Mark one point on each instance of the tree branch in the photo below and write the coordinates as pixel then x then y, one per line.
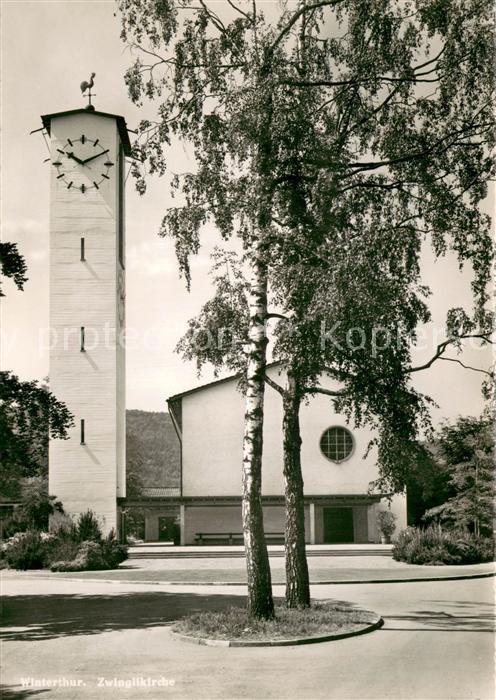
pixel 321 390
pixel 339 374
pixel 296 16
pixel 415 155
pixel 238 9
pixel 474 369
pixel 275 315
pixel 442 347
pixel 216 21
pixel 355 82
pixel 274 385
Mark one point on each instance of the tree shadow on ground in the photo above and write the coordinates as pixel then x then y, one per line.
pixel 39 617
pixel 17 692
pixel 457 616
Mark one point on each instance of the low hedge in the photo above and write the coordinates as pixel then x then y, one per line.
pixel 27 550
pixel 62 551
pixel 89 557
pixel 434 546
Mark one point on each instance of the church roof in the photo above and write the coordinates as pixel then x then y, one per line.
pixel 160 491
pixel 175 402
pixel 215 382
pixel 121 123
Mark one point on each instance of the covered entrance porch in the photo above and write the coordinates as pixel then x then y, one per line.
pixel 347 519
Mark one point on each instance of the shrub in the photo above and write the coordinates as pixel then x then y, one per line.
pixel 436 546
pixel 28 550
pixel 62 549
pixel 113 553
pixel 35 509
pixel 386 522
pixel 88 527
pixel 89 558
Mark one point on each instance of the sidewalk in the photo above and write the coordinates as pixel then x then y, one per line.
pixel 161 550
pixel 349 569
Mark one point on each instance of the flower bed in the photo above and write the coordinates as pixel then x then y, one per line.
pixel 321 620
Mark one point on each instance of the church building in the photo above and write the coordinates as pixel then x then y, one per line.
pixel 87 371
pixel 209 422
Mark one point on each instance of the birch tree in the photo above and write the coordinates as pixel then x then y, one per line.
pixel 309 129
pixel 216 80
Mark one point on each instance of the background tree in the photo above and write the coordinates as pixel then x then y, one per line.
pixel 336 128
pixel 34 510
pixel 427 486
pixel 12 265
pixel 465 451
pixel 29 415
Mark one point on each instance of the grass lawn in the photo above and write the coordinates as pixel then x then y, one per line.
pixel 233 624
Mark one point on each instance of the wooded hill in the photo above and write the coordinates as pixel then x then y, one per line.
pixel 151 435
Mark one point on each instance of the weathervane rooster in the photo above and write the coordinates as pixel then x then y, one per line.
pixel 87 85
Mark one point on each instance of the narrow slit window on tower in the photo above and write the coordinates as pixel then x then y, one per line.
pixel 82 250
pixel 82 339
pixel 82 431
pixel 120 223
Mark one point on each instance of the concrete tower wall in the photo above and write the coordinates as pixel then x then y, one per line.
pixel 87 293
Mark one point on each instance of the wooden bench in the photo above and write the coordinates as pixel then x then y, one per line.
pixel 275 537
pixel 233 537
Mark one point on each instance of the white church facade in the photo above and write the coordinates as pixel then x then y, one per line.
pixel 336 470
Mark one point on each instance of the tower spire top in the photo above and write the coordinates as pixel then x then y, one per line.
pixel 87 85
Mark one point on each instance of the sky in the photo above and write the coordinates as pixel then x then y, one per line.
pixel 48 48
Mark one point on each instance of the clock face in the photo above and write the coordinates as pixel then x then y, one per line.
pixel 83 163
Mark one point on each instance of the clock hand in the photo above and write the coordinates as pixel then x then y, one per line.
pixel 87 160
pixel 78 160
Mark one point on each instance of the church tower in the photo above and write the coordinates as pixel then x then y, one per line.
pixel 87 306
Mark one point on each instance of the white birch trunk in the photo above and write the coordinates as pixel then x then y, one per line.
pixel 260 602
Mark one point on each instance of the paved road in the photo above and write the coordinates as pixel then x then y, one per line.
pixel 221 569
pixel 437 643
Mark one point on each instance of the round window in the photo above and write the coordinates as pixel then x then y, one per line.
pixel 336 444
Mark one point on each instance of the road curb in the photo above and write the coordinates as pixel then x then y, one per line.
pixel 318 583
pixel 204 641
pixel 330 582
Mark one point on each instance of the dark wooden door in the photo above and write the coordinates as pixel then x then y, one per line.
pixel 338 525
